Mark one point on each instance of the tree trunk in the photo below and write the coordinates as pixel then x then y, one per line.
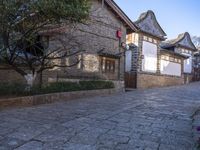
pixel 30 78
pixel 40 80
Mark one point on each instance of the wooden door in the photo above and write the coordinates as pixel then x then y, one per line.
pixel 130 80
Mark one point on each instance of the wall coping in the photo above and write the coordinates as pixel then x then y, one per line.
pixel 54 97
pixel 159 74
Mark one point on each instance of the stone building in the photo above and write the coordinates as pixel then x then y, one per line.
pixel 184 46
pixel 101 38
pixel 147 63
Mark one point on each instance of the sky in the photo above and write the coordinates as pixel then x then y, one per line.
pixel 174 16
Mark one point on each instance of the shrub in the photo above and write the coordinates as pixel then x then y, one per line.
pixel 19 89
pixel 60 87
pixel 15 89
pixel 89 85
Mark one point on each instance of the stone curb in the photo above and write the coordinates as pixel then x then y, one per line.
pixel 53 97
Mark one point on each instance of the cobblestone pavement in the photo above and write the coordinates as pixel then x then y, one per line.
pixel 155 119
pixel 196 127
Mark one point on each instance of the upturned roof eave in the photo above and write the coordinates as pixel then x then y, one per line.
pixel 144 17
pixel 175 42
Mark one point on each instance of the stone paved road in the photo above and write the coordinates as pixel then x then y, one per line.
pixel 155 119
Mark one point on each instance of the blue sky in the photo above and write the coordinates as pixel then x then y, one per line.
pixel 174 16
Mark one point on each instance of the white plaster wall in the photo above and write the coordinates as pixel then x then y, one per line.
pixel 149 51
pixel 188 65
pixel 170 68
pixel 128 60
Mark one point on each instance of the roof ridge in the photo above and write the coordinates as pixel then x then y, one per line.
pixel 143 16
pixel 180 37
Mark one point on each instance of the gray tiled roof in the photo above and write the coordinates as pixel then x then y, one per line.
pixel 183 40
pixel 148 23
pixel 106 53
pixel 173 53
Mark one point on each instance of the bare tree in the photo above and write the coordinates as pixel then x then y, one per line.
pixel 196 41
pixel 26 26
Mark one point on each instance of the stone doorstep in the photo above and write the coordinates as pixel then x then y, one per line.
pixel 53 97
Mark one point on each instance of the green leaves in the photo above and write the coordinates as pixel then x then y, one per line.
pixel 23 15
pixel 23 20
pixel 72 10
pixel 17 89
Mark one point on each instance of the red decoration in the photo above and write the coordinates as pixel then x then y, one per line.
pixel 119 33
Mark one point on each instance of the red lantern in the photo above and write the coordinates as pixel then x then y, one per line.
pixel 119 33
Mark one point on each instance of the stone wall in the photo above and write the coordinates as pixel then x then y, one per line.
pixel 99 33
pixel 10 76
pixel 145 80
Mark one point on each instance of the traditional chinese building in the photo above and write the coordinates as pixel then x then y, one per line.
pixel 147 64
pixel 101 38
pixel 183 45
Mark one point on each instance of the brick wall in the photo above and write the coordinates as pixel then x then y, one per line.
pixel 152 80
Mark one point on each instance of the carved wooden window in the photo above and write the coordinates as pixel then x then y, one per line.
pixel 155 41
pixel 150 40
pixel 108 65
pixel 165 57
pixel 171 59
pixel 145 38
